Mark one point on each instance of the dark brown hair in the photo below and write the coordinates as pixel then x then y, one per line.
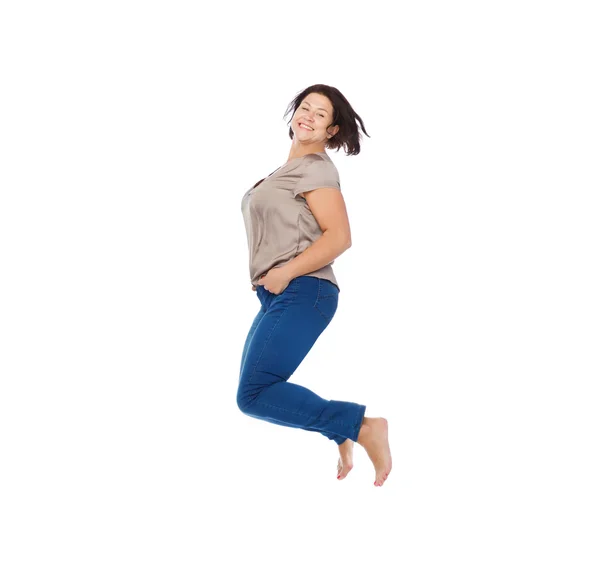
pixel 344 116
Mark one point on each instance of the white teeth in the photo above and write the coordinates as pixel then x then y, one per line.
pixel 305 126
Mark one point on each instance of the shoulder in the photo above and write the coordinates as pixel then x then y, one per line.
pixel 319 166
pixel 317 171
pixel 318 161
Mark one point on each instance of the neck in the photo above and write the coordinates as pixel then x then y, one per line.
pixel 299 150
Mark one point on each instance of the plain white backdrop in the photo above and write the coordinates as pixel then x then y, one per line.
pixel 468 314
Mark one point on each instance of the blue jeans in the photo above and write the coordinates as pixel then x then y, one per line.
pixel 282 333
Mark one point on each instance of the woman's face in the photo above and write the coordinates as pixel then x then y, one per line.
pixel 315 112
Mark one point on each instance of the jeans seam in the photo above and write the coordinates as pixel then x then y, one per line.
pixel 304 415
pixel 264 347
pixel 334 294
pixel 326 319
pixel 318 296
pixel 315 306
pixel 244 356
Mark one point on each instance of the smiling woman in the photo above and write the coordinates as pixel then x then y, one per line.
pixel 296 224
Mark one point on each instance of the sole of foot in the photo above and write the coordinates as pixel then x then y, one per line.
pixel 373 436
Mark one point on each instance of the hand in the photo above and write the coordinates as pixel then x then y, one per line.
pixel 253 288
pixel 276 280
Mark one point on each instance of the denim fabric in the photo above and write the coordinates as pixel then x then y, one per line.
pixel 284 330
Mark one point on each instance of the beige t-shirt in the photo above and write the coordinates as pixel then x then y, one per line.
pixel 279 223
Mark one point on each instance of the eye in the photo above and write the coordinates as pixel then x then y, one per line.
pixel 306 109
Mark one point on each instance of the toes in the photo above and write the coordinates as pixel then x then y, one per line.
pixel 379 481
pixel 343 471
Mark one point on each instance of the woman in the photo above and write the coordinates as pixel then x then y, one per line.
pixel 296 224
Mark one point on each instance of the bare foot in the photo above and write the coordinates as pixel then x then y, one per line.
pixel 345 461
pixel 373 436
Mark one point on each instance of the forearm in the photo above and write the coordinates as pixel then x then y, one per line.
pixel 321 253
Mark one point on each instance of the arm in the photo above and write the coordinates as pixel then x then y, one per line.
pixel 319 254
pixel 329 209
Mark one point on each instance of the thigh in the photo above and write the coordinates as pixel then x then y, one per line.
pixel 290 326
pixel 253 327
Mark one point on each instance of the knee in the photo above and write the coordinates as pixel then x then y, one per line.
pixel 243 401
pixel 247 396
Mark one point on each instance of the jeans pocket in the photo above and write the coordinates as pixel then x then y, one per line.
pixel 261 293
pixel 327 306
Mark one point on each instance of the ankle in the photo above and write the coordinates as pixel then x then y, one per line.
pixel 363 433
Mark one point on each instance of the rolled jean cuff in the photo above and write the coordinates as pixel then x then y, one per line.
pixel 360 414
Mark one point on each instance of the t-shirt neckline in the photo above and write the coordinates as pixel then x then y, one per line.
pixel 307 154
pixel 285 164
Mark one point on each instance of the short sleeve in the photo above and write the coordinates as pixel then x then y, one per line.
pixel 318 174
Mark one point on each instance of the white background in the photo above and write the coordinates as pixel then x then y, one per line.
pixel 468 313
